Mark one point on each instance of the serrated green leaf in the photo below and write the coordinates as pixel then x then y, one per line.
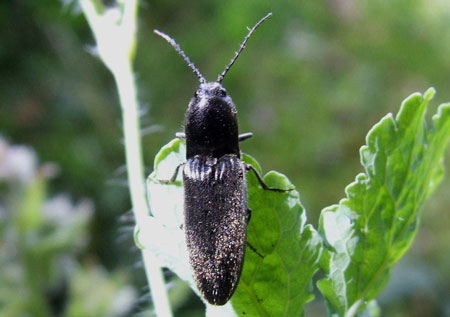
pixel 276 285
pixel 370 230
pixel 280 283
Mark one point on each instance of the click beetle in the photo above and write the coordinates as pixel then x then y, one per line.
pixel 215 191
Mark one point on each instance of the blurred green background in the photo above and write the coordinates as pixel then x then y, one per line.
pixel 310 84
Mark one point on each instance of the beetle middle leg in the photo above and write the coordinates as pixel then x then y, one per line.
pixel 249 167
pixel 174 176
pixel 248 215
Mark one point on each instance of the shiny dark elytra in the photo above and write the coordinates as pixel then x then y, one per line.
pixel 215 190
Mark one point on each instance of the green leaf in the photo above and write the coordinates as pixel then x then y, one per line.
pixel 162 233
pixel 278 284
pixel 370 230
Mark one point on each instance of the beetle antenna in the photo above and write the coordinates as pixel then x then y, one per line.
pixel 241 48
pixel 182 54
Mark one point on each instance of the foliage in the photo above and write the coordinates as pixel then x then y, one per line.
pixel 310 83
pixel 366 234
pixel 279 283
pixel 370 230
pixel 40 239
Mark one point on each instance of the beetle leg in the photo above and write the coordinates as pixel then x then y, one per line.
pixel 249 215
pixel 249 167
pixel 174 176
pixel 180 135
pixel 254 250
pixel 245 136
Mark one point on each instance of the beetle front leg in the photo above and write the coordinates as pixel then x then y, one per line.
pixel 245 136
pixel 174 176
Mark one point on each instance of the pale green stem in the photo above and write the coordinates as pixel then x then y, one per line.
pixel 131 127
pixel 114 29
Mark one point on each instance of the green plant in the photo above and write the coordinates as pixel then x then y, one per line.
pixel 41 239
pixel 360 239
pixel 370 230
pixel 364 235
pixel 114 29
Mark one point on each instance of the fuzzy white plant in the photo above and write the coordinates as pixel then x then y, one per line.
pixel 114 30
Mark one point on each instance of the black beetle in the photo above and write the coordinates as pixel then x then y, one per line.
pixel 215 191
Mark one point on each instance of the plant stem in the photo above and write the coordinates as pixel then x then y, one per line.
pixel 114 29
pixel 133 152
